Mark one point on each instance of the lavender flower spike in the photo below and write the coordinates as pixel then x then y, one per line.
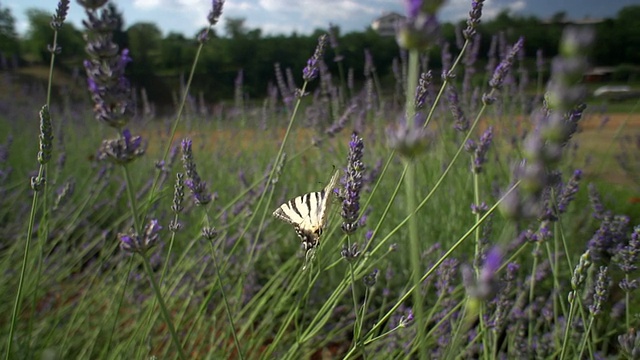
pixel 353 185
pixel 216 12
pixel 46 136
pixel 61 14
pixel 194 182
pixel 601 291
pixel 505 65
pixel 474 19
pixel 133 242
pixel 569 191
pixel 122 150
pixel 310 72
pixel 109 88
pixel 480 154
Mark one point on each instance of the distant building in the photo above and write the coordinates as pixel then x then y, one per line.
pixel 386 24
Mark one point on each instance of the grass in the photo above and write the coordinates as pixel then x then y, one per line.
pixel 428 278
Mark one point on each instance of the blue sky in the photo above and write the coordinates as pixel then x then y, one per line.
pixel 303 16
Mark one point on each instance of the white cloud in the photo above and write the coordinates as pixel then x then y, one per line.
pixel 146 4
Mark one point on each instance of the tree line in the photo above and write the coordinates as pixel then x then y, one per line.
pixel 160 61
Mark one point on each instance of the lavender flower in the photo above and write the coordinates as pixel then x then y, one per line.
pixel 569 191
pixel 109 88
pixel 606 241
pixel 486 283
pixel 338 125
pixel 460 122
pixel 599 211
pixel 505 65
pixel 627 256
pixel 178 194
pixel 369 66
pixel 122 150
pixel 600 292
pixel 350 253
pixel 479 209
pixel 352 185
pixel 198 187
pixel 209 233
pixel 630 344
pixel 579 273
pixel 370 279
pixel 92 5
pixel 474 19
pixel 216 12
pixel 421 29
pixel 479 149
pixel 310 72
pixel 423 89
pixel 133 242
pixel 60 15
pixel 409 141
pixel 46 136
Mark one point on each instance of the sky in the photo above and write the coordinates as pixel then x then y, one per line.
pixel 304 16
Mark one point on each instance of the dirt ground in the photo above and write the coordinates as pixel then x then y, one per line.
pixel 610 148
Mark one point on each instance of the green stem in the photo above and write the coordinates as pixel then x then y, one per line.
pixel 568 326
pixel 163 307
pixel 532 286
pixel 412 84
pixel 586 337
pixel 23 271
pixel 356 332
pixel 415 251
pixel 132 200
pixel 120 302
pixel 226 303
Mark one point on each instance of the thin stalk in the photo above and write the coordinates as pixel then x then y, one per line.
pixel 163 306
pixel 154 185
pixel 476 262
pixel 120 302
pixel 226 303
pixel 415 252
pixel 586 336
pixel 568 326
pixel 356 330
pixel 23 271
pixel 532 286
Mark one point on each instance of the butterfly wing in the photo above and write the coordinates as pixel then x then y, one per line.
pixel 308 213
pixel 326 203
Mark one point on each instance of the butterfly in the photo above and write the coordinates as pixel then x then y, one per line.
pixel 308 214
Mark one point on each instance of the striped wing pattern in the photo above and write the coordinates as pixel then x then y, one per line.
pixel 308 213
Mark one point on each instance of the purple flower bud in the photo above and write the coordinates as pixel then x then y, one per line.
pixel 474 18
pixel 310 72
pixel 133 242
pixel 216 12
pixel 352 185
pixel 505 65
pixel 198 187
pixel 122 150
pixel 60 15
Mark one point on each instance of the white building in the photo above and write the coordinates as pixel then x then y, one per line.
pixel 386 24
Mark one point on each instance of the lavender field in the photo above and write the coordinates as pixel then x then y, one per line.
pixel 480 212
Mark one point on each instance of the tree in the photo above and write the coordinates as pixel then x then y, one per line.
pixel 9 44
pixel 40 35
pixel 144 43
pixel 235 27
pixel 629 30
